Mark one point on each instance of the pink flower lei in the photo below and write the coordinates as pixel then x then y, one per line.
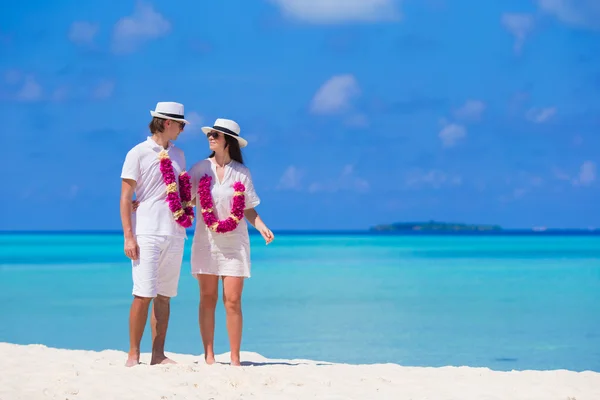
pixel 206 202
pixel 179 204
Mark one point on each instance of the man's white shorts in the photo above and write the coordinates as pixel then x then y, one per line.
pixel 157 269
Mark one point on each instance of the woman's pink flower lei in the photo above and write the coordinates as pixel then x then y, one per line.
pixel 206 202
pixel 179 204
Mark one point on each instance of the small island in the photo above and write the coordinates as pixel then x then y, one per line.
pixel 433 226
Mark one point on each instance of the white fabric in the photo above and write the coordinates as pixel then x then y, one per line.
pixel 153 216
pixel 157 269
pixel 223 254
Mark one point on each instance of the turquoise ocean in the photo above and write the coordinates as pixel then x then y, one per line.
pixel 499 301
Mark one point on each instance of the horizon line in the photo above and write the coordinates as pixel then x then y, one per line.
pixel 369 231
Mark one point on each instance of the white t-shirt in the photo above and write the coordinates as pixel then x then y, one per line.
pixel 142 165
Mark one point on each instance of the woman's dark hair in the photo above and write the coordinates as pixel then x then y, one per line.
pixel 235 152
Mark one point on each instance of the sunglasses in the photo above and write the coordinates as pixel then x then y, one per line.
pixel 213 134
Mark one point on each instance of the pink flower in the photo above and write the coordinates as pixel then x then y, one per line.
pixel 206 202
pixel 239 187
pixel 184 221
pixel 173 199
pixel 185 187
pixel 167 171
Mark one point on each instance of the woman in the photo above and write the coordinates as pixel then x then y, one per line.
pixel 224 195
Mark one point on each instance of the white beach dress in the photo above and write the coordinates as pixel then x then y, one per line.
pixel 223 254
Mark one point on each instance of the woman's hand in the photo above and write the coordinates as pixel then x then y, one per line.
pixel 260 226
pixel 266 233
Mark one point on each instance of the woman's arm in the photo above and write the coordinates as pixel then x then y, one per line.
pixel 255 220
pixel 252 217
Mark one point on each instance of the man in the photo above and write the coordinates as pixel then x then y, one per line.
pixel 154 239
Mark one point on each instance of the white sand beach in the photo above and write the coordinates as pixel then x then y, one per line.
pixel 38 372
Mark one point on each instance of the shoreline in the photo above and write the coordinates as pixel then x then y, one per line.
pixel 37 371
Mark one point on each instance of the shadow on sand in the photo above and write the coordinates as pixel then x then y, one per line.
pixel 264 364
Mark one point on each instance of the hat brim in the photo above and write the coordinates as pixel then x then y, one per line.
pixel 159 115
pixel 243 142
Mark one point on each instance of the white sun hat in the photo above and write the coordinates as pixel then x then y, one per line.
pixel 228 127
pixel 169 110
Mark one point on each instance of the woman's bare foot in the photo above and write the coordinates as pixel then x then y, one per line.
pixel 131 362
pixel 133 359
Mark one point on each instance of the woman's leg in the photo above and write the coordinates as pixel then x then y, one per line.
pixel 232 298
pixel 209 294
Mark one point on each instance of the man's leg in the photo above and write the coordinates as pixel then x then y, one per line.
pixel 161 310
pixel 145 276
pixel 138 315
pixel 168 281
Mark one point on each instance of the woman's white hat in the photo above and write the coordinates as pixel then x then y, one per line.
pixel 228 127
pixel 169 110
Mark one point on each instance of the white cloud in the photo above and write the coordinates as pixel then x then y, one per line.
pixel 13 76
pixel 194 128
pixel 143 25
pixel 580 13
pixel 519 25
pixel 347 181
pixel 290 180
pixel 471 110
pixel 335 95
pixel 519 192
pixel 434 178
pixel 357 121
pixel 195 121
pixel 104 90
pixel 524 183
pixel 83 33
pixel 30 91
pixel 60 93
pixel 540 115
pixel 340 11
pixel 587 174
pixel 452 133
pixel 561 175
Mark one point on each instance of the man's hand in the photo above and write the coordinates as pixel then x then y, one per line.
pixel 132 250
pixel 126 208
pixel 134 205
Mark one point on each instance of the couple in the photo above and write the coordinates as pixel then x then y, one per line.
pixel 221 189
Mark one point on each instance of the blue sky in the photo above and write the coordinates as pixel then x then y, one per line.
pixel 357 112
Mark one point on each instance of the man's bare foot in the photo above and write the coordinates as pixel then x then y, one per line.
pixel 161 360
pixel 132 361
pixel 210 359
pixel 235 363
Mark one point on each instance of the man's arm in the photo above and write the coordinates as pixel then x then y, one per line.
pixel 127 189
